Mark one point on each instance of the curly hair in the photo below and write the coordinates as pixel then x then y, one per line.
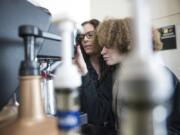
pixel 157 43
pixel 117 33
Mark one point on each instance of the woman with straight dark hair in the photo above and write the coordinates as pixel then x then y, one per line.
pixel 96 89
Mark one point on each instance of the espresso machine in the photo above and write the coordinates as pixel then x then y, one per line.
pixel 31 117
pixel 12 52
pixel 47 71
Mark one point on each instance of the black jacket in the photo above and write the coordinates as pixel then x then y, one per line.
pixel 173 121
pixel 96 98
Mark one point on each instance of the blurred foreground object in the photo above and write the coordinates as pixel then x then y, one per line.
pixel 67 80
pixel 146 86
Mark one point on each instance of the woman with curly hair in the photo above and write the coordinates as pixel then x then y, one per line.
pixel 116 38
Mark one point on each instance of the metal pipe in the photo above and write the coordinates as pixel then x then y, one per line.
pixel 66 82
pixel 145 86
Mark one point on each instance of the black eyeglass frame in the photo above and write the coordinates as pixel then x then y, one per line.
pixel 88 35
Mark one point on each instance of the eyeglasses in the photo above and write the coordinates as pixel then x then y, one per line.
pixel 88 35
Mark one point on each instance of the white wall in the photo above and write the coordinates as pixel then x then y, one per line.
pixel 70 8
pixel 110 8
pixel 121 8
pixel 164 12
pixel 167 12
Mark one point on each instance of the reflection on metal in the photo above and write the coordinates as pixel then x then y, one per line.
pixel 48 95
pixel 9 113
pixel 48 67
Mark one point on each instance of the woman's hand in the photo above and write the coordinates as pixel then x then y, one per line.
pixel 79 62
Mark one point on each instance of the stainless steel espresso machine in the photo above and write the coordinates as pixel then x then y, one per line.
pixel 14 14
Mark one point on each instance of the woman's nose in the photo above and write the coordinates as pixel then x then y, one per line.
pixel 104 50
pixel 85 38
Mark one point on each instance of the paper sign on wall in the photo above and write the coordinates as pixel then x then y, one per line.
pixel 168 37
